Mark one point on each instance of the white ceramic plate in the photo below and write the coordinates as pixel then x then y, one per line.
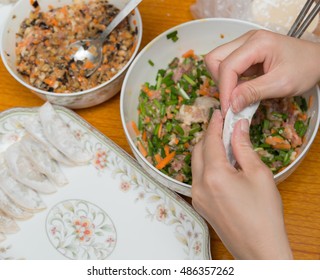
pixel 111 209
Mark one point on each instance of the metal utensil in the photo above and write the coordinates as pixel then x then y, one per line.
pixel 91 49
pixel 304 19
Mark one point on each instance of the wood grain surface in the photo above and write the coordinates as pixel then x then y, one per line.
pixel 300 192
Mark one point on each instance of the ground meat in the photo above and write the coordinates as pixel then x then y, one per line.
pixel 42 53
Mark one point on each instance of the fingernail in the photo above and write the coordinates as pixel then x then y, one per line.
pixel 244 125
pixel 237 104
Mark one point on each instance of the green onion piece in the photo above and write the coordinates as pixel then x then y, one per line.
pixel 151 62
pixel 168 126
pixel 300 128
pixel 189 80
pixel 159 81
pixel 182 92
pixel 156 129
pixel 173 36
pixel 266 124
pixel 179 129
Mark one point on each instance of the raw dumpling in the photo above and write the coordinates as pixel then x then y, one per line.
pixel 11 209
pixel 2 237
pixel 20 194
pixel 23 170
pixel 60 135
pixel 34 127
pixel 40 157
pixel 8 225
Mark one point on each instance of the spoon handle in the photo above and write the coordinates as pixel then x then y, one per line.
pixel 119 17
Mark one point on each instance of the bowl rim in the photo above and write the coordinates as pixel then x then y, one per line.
pixel 124 124
pixel 139 25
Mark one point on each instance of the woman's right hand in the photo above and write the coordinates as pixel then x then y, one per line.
pixel 284 66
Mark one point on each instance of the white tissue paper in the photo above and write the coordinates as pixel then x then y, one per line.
pixel 276 15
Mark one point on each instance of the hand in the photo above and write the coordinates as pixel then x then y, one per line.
pixel 284 66
pixel 243 206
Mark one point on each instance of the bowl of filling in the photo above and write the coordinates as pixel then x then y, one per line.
pixel 34 49
pixel 168 97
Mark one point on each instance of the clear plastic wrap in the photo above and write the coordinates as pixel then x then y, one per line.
pixel 276 15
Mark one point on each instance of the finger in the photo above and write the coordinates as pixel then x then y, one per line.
pixel 197 163
pixel 242 149
pixel 263 87
pixel 237 63
pixel 217 55
pixel 214 154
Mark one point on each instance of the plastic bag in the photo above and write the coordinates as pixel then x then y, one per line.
pixel 276 15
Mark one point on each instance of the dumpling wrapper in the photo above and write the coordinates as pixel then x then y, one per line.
pixel 33 127
pixel 230 120
pixel 2 237
pixel 8 225
pixel 59 134
pixel 23 170
pixel 20 194
pixel 40 157
pixel 11 209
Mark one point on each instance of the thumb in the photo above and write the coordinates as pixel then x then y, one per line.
pixel 246 157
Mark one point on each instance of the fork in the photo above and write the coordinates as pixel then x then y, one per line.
pixel 304 19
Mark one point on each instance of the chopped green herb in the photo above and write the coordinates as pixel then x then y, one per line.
pixel 173 36
pixel 151 62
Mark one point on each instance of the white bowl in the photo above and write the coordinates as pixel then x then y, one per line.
pixel 75 100
pixel 201 36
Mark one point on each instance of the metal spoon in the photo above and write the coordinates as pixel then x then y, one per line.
pixel 91 49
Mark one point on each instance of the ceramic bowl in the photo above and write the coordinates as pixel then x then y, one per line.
pixel 201 36
pixel 76 100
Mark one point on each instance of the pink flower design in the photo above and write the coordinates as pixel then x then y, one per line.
pixel 197 247
pixel 162 213
pixel 53 230
pixel 182 216
pixel 83 229
pixel 125 186
pixel 110 240
pixel 78 134
pixel 100 160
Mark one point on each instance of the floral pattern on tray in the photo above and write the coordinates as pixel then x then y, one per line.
pixel 85 228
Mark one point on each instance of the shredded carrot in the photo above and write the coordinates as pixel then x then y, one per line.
pixel 176 141
pixel 186 145
pixel 135 128
pixel 158 158
pixel 134 22
pixel 142 149
pixel 165 161
pixel 160 130
pixel 88 65
pixel 147 90
pixel 147 119
pixel 50 82
pixel 278 143
pixel 144 135
pixel 282 146
pixel 166 150
pixel 302 116
pixel 189 53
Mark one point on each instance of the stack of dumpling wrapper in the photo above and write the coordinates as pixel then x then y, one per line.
pixel 31 166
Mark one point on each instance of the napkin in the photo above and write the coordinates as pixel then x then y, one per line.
pixel 229 123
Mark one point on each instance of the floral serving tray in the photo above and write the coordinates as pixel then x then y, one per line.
pixel 110 209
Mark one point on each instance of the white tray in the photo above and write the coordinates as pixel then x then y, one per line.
pixel 111 208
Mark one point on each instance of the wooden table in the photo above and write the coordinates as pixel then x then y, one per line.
pixel 300 192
